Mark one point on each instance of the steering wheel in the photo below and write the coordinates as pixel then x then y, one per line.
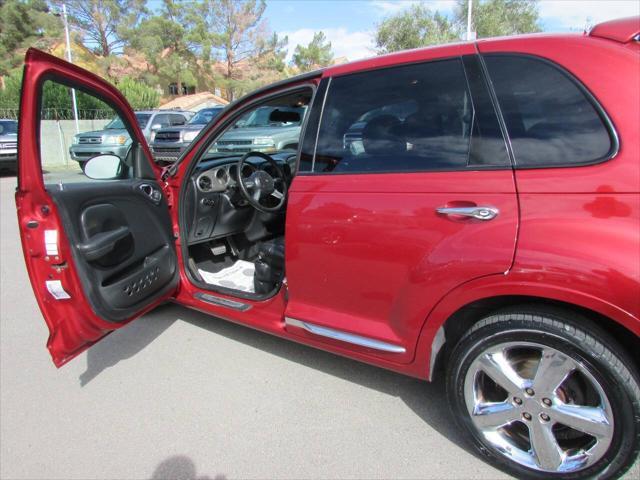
pixel 260 187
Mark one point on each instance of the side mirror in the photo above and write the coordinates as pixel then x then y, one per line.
pixel 156 126
pixel 104 167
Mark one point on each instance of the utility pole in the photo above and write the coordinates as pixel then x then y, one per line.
pixel 73 90
pixel 470 35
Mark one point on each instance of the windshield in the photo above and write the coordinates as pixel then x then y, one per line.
pixel 205 116
pixel 260 117
pixel 7 127
pixel 117 124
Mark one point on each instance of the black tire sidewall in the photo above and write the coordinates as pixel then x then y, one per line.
pixel 626 424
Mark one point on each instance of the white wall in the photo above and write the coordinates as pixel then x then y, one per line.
pixel 56 137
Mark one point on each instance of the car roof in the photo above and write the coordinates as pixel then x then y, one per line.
pixel 8 120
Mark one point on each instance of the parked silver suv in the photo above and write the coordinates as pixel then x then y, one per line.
pixel 8 143
pixel 168 143
pixel 114 138
pixel 266 129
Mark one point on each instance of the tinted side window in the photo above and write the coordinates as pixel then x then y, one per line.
pixel 405 119
pixel 550 120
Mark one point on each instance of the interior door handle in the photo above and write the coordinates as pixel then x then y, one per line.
pixel 152 192
pixel 479 213
pixel 102 243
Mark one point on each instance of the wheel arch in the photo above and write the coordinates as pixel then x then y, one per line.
pixel 460 309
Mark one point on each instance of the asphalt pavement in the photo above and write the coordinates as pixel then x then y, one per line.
pixel 182 395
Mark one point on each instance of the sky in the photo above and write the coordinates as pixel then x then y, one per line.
pixel 349 24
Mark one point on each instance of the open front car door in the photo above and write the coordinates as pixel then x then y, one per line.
pixel 94 222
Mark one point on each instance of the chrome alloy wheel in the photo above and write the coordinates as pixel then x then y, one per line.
pixel 538 407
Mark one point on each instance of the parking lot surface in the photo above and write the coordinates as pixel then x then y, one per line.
pixel 181 395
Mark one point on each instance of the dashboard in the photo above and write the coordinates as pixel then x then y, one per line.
pixel 215 207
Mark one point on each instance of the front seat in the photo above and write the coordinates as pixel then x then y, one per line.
pixel 269 266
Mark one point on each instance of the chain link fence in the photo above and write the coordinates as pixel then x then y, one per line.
pixel 61 113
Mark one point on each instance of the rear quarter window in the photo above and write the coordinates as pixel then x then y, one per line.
pixel 551 119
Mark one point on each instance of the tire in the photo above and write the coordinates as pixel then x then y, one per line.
pixel 602 382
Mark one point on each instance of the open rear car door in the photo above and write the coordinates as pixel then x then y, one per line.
pixel 99 253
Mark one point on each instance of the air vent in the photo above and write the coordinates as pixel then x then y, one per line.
pixel 204 183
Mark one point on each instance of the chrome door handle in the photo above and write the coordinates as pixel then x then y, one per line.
pixel 479 213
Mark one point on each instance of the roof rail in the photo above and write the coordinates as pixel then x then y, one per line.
pixel 623 30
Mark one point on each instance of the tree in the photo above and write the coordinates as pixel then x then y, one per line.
pixel 315 55
pixel 101 21
pixel 24 23
pixel 163 42
pixel 414 27
pixel 234 32
pixel 493 18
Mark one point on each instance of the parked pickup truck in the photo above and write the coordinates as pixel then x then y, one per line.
pixel 266 129
pixel 114 138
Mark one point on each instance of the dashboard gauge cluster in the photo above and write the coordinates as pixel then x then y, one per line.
pixel 219 179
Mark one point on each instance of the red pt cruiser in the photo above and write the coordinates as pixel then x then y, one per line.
pixel 472 209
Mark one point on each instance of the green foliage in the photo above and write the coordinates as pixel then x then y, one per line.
pixel 139 95
pixel 315 55
pixel 24 23
pixel 493 18
pixel 10 95
pixel 414 27
pixel 57 103
pixel 162 40
pixel 417 26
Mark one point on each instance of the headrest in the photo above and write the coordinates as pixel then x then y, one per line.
pixel 381 136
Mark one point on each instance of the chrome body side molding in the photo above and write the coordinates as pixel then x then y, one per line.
pixel 344 336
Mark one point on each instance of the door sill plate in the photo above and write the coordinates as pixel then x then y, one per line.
pixel 223 302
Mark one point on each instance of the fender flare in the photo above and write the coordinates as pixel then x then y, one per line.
pixel 431 337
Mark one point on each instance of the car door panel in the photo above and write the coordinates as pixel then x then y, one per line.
pixel 370 255
pixel 139 265
pixel 98 253
pixel 380 224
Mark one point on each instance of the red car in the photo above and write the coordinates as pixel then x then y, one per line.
pixel 471 209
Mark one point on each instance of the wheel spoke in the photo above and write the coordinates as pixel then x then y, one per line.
pixel 497 366
pixel 256 195
pixel 544 446
pixel 590 420
pixel 277 194
pixel 553 369
pixel 493 415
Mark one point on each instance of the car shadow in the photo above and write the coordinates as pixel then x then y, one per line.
pixel 127 342
pixel 427 400
pixel 180 467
